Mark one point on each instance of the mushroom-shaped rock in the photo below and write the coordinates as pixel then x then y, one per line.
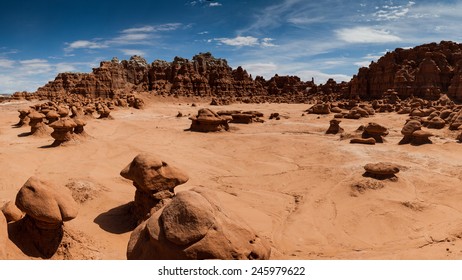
pixel 63 130
pixel 23 118
pixel 37 127
pixel 381 170
pixel 46 207
pixel 420 137
pixel 208 121
pixel 376 131
pixel 46 203
pixel 320 109
pixel 334 127
pixel 408 129
pixel 80 123
pixel 63 112
pixel 436 122
pixel 154 180
pixel 195 225
pixel 104 112
pixel 52 116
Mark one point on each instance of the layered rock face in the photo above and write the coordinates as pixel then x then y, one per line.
pixel 203 76
pixel 425 71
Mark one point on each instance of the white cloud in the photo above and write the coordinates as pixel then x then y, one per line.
pixel 248 41
pixel 65 67
pixel 6 63
pixel 320 77
pixel 84 44
pixel 131 52
pixel 239 41
pixel 261 69
pixel 215 4
pixel 366 35
pixel 138 29
pixel 153 28
pixel 266 42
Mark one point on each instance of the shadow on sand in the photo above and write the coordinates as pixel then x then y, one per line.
pixel 117 220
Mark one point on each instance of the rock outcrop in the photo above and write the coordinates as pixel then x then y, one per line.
pixel 424 71
pixel 376 131
pixel 334 127
pixel 154 180
pixel 381 170
pixel 207 120
pixel 203 76
pixel 195 225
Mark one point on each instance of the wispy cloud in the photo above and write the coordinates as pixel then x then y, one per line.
pixel 247 41
pixel 131 52
pixel 84 44
pixel 143 35
pixel 392 12
pixel 204 3
pixel 6 63
pixel 363 34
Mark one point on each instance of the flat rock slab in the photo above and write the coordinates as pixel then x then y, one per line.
pixel 382 168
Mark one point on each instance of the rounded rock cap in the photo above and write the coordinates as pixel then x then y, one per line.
pixel 45 202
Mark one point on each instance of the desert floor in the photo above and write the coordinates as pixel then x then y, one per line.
pixel 289 181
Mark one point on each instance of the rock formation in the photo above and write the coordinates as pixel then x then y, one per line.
pixel 37 127
pixel 63 130
pixel 203 76
pixel 367 141
pixel 195 225
pixel 408 130
pixel 11 212
pixel 420 137
pixel 381 170
pixel 334 127
pixel 154 181
pixel 23 118
pixel 46 208
pixel 208 121
pixel 376 131
pixel 424 71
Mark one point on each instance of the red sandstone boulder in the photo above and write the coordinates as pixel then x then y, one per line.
pixel 195 225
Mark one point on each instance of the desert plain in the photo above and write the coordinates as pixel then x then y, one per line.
pixel 301 190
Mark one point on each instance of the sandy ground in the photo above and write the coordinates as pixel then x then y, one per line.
pixel 285 178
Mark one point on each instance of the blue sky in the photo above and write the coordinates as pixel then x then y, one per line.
pixel 319 39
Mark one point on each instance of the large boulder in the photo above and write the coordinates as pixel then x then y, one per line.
pixel 195 225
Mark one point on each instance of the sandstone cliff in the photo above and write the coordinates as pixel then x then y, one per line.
pixel 425 71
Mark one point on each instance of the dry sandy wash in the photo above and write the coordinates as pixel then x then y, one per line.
pixel 297 187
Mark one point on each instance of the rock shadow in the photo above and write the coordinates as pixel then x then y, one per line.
pixel 20 234
pixel 24 134
pixel 381 177
pixel 117 220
